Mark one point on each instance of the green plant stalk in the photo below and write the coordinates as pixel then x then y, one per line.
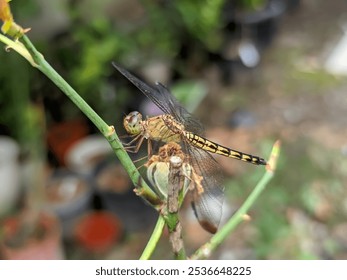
pixel 106 130
pixel 154 239
pixel 206 250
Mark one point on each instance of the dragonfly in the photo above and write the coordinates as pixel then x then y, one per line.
pixel 177 125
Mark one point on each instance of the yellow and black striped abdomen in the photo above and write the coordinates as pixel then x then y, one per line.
pixel 209 146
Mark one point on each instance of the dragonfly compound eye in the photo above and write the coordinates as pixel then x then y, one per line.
pixel 132 123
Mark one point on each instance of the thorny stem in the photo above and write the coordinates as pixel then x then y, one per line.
pixel 240 215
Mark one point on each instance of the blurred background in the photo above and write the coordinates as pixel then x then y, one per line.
pixel 253 71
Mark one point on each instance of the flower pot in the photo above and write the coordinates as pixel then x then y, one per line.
pixel 62 136
pixel 9 174
pixel 98 231
pixel 69 196
pixel 86 153
pixel 43 244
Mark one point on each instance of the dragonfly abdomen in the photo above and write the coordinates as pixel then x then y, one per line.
pixel 209 146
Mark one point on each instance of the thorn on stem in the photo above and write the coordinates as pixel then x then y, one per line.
pixel 246 217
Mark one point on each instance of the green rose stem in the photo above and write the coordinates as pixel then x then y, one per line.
pixel 108 131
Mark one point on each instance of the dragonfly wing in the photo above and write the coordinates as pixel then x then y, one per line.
pixel 150 92
pixel 208 209
pixel 179 112
pixel 208 205
pixel 164 100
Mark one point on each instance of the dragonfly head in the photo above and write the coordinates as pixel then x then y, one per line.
pixel 132 123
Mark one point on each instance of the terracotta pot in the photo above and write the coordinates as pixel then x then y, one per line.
pixel 44 244
pixel 98 231
pixel 63 135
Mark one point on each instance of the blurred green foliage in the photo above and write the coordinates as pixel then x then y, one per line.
pixel 83 51
pixel 205 24
pixel 163 30
pixel 14 94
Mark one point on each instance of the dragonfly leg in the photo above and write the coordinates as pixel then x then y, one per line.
pixel 135 149
pixel 124 136
pixel 149 148
pixel 136 138
pixel 140 159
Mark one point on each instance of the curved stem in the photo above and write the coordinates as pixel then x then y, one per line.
pixel 154 239
pixel 106 130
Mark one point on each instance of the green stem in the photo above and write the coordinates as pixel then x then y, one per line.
pixel 206 250
pixel 154 239
pixel 105 129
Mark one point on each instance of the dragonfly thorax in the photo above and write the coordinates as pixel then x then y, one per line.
pixel 173 125
pixel 133 123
